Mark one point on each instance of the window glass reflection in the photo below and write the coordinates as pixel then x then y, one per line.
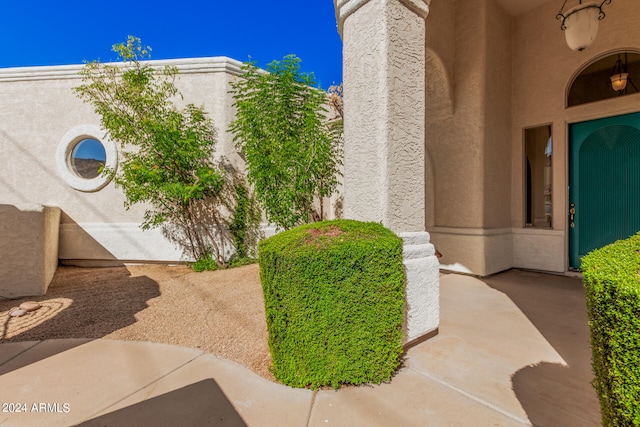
pixel 88 157
pixel 538 151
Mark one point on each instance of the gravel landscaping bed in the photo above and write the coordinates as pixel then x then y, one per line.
pixel 220 312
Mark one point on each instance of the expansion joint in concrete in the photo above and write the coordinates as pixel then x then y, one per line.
pixel 133 392
pixel 313 403
pixel 473 397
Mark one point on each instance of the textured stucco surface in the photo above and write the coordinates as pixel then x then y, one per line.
pixel 51 242
pixel 422 312
pixel 541 75
pixel 468 137
pixel 362 154
pixel 113 242
pixel 437 97
pixel 477 250
pixel 38 108
pixel 384 115
pixel 539 249
pixel 543 68
pixel 385 155
pixel 488 76
pixel 497 144
pixel 29 248
pixel 506 74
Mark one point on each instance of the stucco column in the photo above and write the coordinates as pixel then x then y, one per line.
pixel 384 126
pixel 384 137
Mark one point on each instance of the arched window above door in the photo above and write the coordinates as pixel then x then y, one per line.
pixel 596 80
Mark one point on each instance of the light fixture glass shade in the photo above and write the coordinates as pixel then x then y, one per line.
pixel 619 81
pixel 581 24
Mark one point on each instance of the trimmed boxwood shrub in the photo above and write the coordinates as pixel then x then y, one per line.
pixel 612 282
pixel 334 295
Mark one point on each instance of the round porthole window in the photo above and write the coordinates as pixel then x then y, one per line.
pixel 82 154
pixel 88 158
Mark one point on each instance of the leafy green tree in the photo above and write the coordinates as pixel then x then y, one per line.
pixel 292 154
pixel 167 153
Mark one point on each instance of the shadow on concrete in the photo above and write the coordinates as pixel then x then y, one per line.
pixel 198 404
pixel 24 355
pixel 551 394
pixel 84 303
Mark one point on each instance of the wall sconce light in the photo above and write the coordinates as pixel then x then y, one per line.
pixel 580 23
pixel 619 75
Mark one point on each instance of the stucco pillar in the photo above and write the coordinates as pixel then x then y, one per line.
pixel 384 126
pixel 28 249
pixel 384 137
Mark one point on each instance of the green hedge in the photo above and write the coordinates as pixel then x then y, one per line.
pixel 334 295
pixel 612 281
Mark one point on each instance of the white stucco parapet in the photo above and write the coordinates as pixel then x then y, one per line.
pixel 62 72
pixel 422 268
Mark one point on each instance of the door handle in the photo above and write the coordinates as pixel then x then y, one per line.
pixel 572 213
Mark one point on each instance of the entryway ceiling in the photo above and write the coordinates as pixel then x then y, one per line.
pixel 518 7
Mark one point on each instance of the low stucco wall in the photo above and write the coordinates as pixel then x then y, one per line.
pixel 477 251
pixel 28 249
pixel 537 249
pixel 110 244
pixel 486 252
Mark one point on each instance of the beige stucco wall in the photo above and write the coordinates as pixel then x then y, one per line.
pixel 37 108
pixel 505 74
pixel 488 76
pixel 471 147
pixel 543 67
pixel 497 144
pixel 455 142
pixel 29 248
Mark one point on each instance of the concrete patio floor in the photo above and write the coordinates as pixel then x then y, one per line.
pixel 512 350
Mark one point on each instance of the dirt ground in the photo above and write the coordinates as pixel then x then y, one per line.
pixel 220 312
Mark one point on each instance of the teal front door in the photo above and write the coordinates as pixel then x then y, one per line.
pixel 604 183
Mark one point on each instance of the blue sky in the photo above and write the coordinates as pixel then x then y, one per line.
pixel 45 32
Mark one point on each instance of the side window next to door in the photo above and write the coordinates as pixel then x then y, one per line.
pixel 538 149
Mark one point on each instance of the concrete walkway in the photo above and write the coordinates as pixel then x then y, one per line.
pixel 512 350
